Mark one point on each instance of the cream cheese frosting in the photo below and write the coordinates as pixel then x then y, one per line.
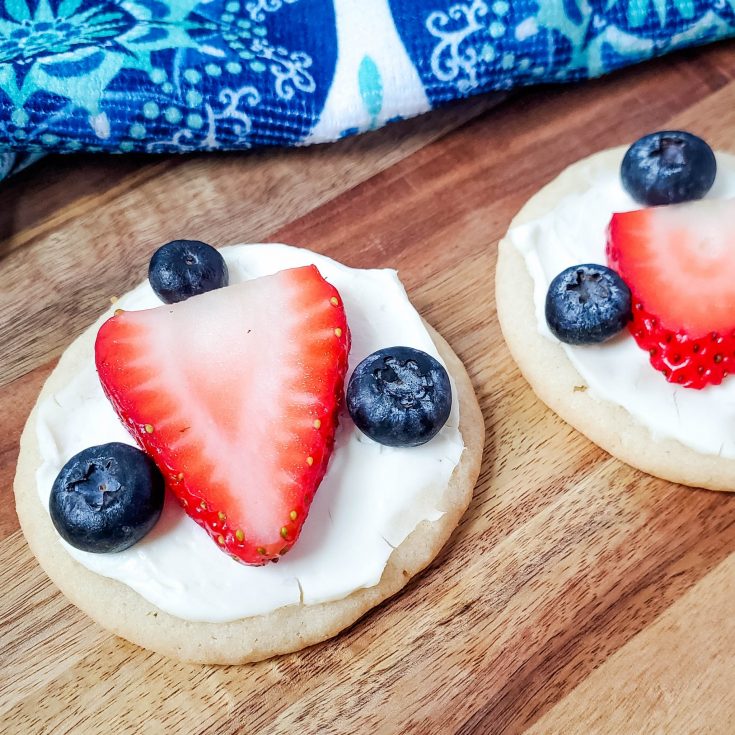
pixel 370 500
pixel 618 370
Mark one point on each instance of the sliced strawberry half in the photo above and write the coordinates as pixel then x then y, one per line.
pixel 679 263
pixel 235 395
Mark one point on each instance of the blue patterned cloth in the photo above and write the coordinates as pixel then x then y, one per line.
pixel 182 75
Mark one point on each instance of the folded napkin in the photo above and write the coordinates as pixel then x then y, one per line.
pixel 182 75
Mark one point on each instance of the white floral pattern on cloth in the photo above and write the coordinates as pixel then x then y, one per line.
pixel 184 75
pixel 463 47
pixel 155 75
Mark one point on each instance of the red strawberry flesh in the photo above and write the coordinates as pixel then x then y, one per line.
pixel 235 395
pixel 679 263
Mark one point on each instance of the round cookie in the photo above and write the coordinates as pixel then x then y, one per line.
pixel 124 612
pixel 556 381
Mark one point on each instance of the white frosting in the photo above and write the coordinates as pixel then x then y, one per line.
pixel 370 500
pixel 619 371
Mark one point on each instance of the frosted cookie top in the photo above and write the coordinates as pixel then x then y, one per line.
pixel 619 371
pixel 370 500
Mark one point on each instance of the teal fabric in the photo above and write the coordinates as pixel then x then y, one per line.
pixel 182 75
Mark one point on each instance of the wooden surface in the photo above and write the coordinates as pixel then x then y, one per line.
pixel 577 595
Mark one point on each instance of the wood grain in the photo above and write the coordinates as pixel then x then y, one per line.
pixel 651 693
pixel 577 594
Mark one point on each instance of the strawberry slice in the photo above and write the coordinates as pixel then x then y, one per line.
pixel 679 263
pixel 235 394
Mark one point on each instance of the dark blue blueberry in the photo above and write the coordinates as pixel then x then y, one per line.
pixel 106 498
pixel 183 268
pixel 399 396
pixel 586 304
pixel 668 167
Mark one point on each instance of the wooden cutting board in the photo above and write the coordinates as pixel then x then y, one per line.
pixel 577 595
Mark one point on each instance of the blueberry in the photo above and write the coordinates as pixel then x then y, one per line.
pixel 106 498
pixel 586 304
pixel 399 396
pixel 183 268
pixel 668 167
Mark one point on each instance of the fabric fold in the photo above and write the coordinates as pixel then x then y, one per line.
pixel 161 76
